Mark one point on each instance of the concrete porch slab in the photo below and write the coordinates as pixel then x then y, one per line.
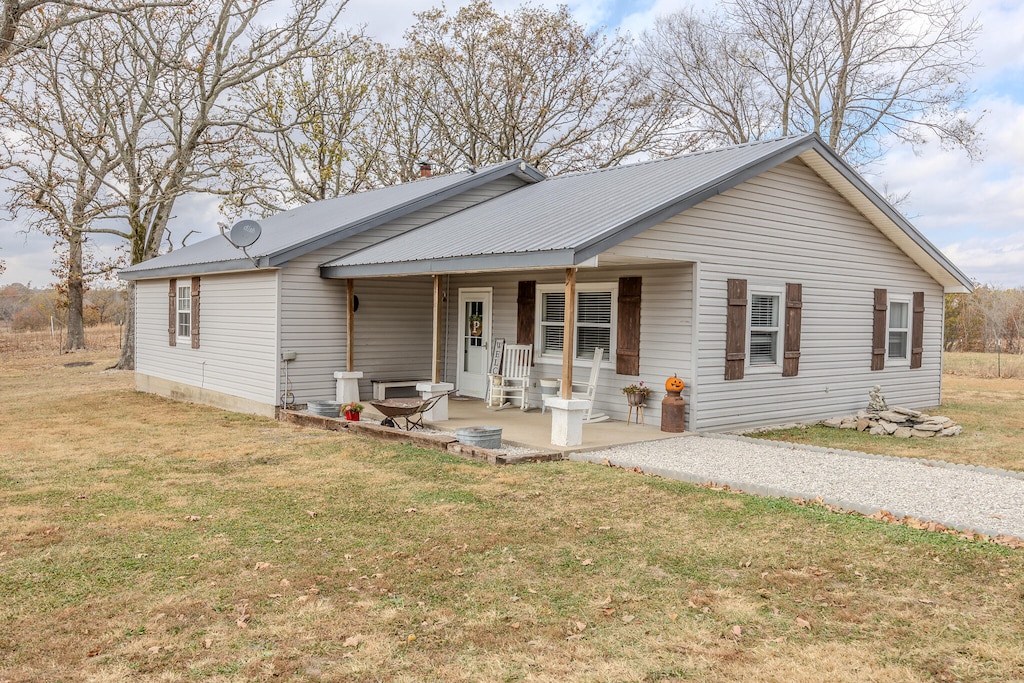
pixel 533 429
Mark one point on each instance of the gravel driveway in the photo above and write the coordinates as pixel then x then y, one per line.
pixel 965 497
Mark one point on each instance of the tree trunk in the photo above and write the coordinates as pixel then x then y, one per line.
pixel 76 293
pixel 127 359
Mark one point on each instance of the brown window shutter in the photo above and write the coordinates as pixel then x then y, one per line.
pixel 736 330
pixel 627 341
pixel 878 331
pixel 527 310
pixel 195 313
pixel 172 313
pixel 917 334
pixel 791 347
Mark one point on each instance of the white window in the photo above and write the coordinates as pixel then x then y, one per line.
pixel 763 342
pixel 899 329
pixel 594 320
pixel 184 312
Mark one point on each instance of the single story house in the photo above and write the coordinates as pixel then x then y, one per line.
pixel 769 276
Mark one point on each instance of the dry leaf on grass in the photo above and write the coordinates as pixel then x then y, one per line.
pixel 262 565
pixel 737 631
pixel 243 616
pixel 803 623
pixel 354 641
pixel 587 562
pixel 628 618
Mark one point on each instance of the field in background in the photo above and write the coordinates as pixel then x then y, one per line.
pixel 97 338
pixel 985 365
pixel 144 539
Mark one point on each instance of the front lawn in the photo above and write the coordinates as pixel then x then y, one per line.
pixel 143 539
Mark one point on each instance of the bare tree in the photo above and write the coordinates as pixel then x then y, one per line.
pixel 312 130
pixel 172 128
pixel 159 101
pixel 26 24
pixel 534 84
pixel 56 157
pixel 858 72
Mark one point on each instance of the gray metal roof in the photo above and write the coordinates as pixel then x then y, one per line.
pixel 311 226
pixel 567 220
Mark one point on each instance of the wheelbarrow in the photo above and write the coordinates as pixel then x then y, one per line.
pixel 409 410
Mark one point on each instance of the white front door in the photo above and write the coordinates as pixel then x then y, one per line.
pixel 474 341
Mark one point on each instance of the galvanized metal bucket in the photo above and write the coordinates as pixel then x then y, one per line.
pixel 324 408
pixel 481 437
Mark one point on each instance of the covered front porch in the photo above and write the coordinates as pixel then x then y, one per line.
pixel 447 331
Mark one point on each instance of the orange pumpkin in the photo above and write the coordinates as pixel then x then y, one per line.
pixel 673 383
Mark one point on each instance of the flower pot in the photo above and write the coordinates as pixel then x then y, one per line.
pixel 636 399
pixel 352 415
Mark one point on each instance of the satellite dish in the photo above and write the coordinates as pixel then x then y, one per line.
pixel 245 233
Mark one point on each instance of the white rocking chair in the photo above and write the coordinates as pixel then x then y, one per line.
pixel 587 391
pixel 514 380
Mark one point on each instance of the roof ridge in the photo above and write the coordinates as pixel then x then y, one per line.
pixel 683 155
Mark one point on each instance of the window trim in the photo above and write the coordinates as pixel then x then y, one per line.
pixel 186 301
pixel 609 356
pixel 779 293
pixel 907 301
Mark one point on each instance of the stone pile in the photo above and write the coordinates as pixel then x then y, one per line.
pixel 903 423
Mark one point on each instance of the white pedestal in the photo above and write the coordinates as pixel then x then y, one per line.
pixel 566 420
pixel 439 413
pixel 348 386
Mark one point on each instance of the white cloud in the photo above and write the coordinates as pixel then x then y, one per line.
pixel 998 262
pixel 974 213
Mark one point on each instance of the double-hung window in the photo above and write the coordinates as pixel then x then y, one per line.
pixel 594 320
pixel 184 312
pixel 763 343
pixel 899 330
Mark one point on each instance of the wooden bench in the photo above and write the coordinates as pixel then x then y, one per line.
pixel 381 386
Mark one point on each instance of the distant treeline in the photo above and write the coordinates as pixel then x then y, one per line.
pixel 987 319
pixel 23 308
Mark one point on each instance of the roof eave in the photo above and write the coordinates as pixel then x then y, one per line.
pixel 234 265
pixel 561 258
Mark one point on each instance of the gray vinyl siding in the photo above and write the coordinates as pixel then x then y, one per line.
pixel 237 352
pixel 392 325
pixel 665 329
pixel 788 225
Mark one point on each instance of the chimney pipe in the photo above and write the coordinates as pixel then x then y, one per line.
pixel 426 169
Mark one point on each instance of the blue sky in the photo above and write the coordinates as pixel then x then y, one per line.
pixel 974 212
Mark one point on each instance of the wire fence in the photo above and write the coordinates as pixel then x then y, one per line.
pixel 97 337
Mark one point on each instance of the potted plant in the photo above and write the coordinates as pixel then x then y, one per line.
pixel 352 411
pixel 637 394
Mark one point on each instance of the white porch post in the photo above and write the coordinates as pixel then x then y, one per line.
pixel 567 413
pixel 347 389
pixel 439 413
